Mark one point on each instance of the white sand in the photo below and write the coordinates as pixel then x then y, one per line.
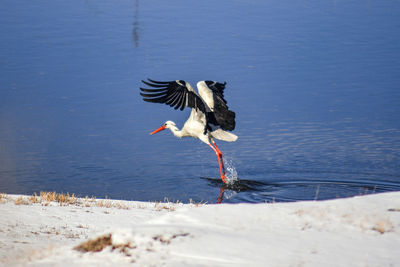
pixel 359 231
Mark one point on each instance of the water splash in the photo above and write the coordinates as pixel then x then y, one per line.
pixel 231 173
pixel 228 194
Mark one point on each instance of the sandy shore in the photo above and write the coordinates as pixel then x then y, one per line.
pixel 359 231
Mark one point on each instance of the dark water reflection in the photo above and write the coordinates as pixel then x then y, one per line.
pixel 314 85
pixel 294 190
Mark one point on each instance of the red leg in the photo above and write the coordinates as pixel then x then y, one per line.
pixel 221 195
pixel 220 156
pixel 221 169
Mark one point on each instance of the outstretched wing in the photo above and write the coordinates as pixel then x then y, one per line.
pixel 213 95
pixel 217 88
pixel 177 94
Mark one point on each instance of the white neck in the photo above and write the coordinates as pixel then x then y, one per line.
pixel 175 131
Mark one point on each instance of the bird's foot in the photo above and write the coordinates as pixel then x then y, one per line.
pixel 223 178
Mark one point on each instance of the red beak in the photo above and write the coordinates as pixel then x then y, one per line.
pixel 158 130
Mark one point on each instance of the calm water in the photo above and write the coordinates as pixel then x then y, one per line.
pixel 315 86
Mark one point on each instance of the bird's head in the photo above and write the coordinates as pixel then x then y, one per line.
pixel 166 125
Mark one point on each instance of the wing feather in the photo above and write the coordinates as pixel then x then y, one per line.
pixel 213 94
pixel 158 82
pixel 152 95
pixel 176 100
pixel 155 100
pixel 153 84
pixel 217 88
pixel 153 90
pixel 172 98
pixel 177 94
pixel 179 103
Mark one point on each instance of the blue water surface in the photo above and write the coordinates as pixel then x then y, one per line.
pixel 315 86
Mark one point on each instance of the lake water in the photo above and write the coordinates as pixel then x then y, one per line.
pixel 315 86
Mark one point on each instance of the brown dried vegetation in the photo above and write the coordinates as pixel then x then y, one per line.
pixel 95 245
pixel 101 243
pixel 165 240
pixel 383 226
pixel 21 201
pixel 49 198
pixel 3 197
pixel 63 199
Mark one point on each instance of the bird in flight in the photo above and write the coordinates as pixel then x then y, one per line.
pixel 209 119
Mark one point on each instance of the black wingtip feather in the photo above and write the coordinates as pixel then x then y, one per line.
pixel 157 82
pixel 154 100
pixel 153 90
pixel 175 94
pixel 155 85
pixel 152 95
pixel 182 102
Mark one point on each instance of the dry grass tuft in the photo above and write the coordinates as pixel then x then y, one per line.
pixel 21 201
pixel 34 198
pixel 3 197
pixel 124 248
pixel 66 199
pixel 194 203
pixel 63 199
pixel 92 199
pixel 102 242
pixel 104 203
pixel 48 196
pixel 95 245
pixel 159 206
pixel 383 226
pixel 167 240
pixel 120 206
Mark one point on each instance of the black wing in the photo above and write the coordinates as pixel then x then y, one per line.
pixel 174 93
pixel 221 115
pixel 217 88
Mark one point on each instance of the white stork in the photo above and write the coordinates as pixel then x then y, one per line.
pixel 210 117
